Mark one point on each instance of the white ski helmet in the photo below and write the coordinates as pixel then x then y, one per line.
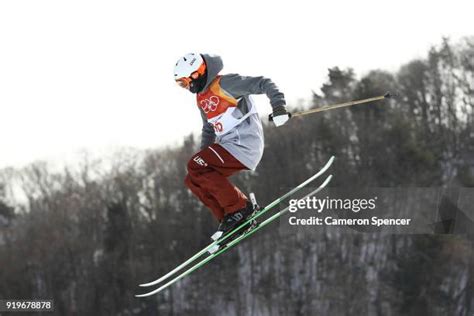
pixel 189 67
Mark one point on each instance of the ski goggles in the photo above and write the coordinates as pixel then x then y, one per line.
pixel 185 82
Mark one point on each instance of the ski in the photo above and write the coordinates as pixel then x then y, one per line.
pixel 258 214
pixel 232 243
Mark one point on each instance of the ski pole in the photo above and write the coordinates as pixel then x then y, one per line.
pixel 341 105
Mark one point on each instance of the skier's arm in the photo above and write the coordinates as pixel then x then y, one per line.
pixel 239 86
pixel 208 135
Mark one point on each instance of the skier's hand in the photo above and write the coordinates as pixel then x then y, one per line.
pixel 279 116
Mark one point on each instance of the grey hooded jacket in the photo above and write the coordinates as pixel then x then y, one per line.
pixel 244 141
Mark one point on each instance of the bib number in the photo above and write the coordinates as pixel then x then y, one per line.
pixel 218 127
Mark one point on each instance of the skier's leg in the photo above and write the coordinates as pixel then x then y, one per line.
pixel 205 198
pixel 207 178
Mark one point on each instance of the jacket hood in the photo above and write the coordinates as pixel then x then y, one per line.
pixel 214 66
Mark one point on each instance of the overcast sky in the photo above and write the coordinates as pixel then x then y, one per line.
pixel 97 75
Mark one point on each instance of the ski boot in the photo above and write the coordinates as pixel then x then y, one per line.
pixel 231 221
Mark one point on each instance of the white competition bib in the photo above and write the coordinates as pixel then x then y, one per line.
pixel 218 106
pixel 226 121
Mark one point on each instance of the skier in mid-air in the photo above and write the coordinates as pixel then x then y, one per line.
pixel 232 141
pixel 232 134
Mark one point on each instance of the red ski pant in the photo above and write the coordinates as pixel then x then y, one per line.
pixel 208 171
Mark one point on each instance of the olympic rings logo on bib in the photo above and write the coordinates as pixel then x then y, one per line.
pixel 209 105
